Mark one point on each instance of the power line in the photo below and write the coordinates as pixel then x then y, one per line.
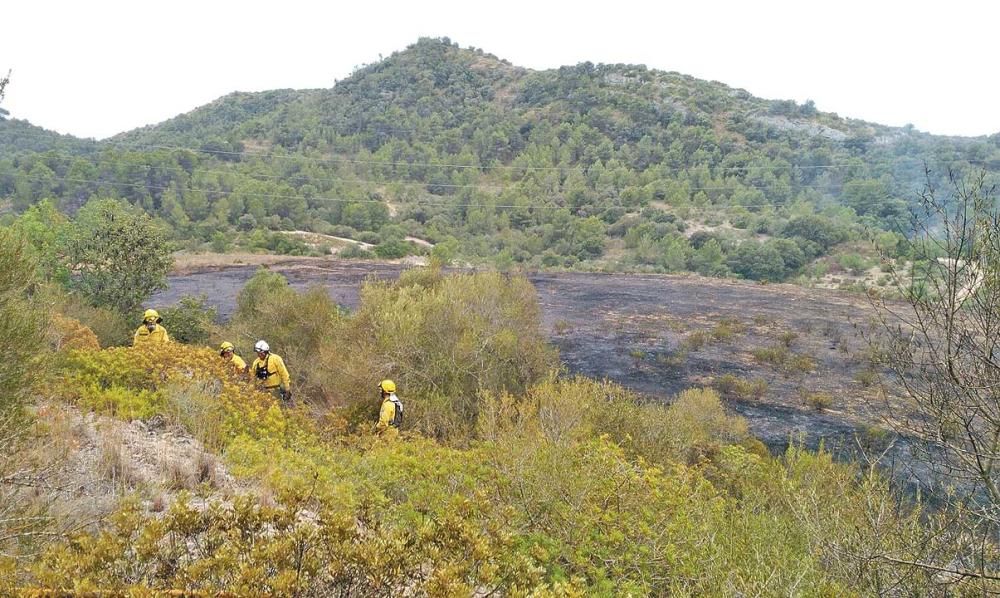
pixel 299 157
pixel 504 166
pixel 258 176
pixel 396 163
pixel 312 178
pixel 223 193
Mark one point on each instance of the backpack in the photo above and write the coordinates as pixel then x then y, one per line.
pixel 261 371
pixel 397 416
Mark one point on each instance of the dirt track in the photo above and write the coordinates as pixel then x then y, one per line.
pixel 632 329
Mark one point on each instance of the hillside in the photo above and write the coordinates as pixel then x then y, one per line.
pixel 21 137
pixel 614 167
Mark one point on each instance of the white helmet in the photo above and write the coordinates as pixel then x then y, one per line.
pixel 261 346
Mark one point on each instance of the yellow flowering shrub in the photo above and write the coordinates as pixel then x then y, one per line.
pixel 66 333
pixel 170 379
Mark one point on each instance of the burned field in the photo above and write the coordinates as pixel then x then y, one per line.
pixel 788 359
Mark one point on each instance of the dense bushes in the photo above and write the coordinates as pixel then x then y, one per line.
pixel 443 339
pixel 190 320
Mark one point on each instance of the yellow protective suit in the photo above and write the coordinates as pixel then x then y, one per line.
pixel 238 363
pixel 143 336
pixel 274 373
pixel 390 415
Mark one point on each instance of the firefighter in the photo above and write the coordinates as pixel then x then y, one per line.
pixel 390 414
pixel 270 370
pixel 150 332
pixel 228 352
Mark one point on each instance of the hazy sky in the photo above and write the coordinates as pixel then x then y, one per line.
pixel 97 68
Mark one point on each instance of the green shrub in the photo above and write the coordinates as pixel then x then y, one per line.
pixel 788 337
pixel 854 263
pixel 734 387
pixel 696 340
pixel 120 255
pixel 566 410
pixel 22 323
pixel 190 320
pixel 393 249
pixel 285 244
pixel 355 252
pixel 726 329
pixel 818 400
pixel 571 479
pixel 299 326
pixel 776 355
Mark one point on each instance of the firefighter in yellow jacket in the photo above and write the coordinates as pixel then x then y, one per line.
pixel 228 352
pixel 270 370
pixel 390 414
pixel 150 332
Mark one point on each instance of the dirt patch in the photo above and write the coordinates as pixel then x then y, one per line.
pixel 191 263
pixel 420 242
pixel 100 460
pixel 312 238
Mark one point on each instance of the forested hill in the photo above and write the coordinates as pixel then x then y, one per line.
pixel 592 166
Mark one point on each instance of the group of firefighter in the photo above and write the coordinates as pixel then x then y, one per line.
pixel 270 371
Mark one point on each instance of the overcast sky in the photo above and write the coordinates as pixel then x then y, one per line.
pixel 98 68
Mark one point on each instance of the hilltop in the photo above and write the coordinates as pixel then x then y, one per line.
pixel 592 166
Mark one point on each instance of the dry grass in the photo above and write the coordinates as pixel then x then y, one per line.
pixel 187 263
pixel 782 358
pixel 114 464
pixel 726 329
pixel 192 406
pixel 177 475
pixel 696 340
pixel 776 355
pixel 673 359
pixel 561 327
pixel 788 337
pixel 734 387
pixel 206 468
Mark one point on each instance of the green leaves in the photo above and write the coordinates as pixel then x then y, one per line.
pixel 22 324
pixel 118 255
